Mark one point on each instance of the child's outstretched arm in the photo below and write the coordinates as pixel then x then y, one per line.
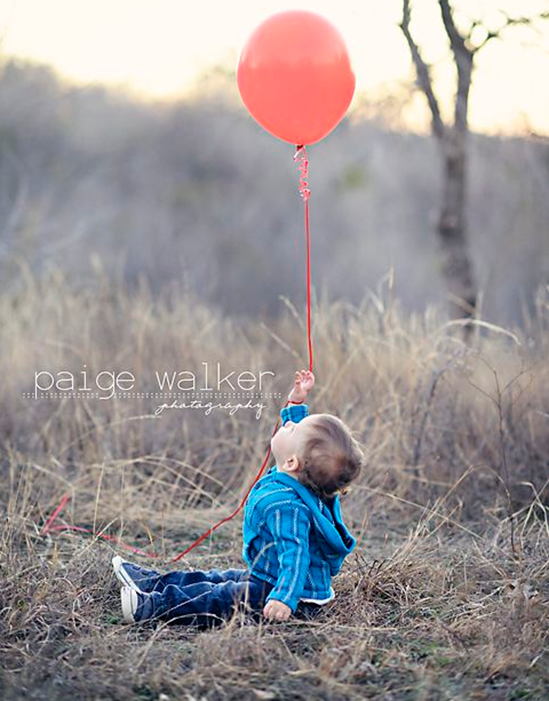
pixel 290 524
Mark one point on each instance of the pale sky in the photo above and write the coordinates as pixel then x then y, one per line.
pixel 157 48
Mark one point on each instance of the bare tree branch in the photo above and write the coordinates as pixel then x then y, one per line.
pixel 509 22
pixel 463 58
pixel 422 71
pixel 474 24
pixel 457 42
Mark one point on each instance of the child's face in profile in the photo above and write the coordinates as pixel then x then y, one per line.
pixel 289 440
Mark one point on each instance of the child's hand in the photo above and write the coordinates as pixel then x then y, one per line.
pixel 277 611
pixel 303 384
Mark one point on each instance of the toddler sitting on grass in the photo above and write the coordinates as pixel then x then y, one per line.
pixel 294 537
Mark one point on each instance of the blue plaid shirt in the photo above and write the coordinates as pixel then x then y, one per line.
pixel 292 538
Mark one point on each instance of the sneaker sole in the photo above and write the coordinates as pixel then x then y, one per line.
pixel 128 599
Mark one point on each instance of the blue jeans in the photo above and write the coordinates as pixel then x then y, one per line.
pixel 207 598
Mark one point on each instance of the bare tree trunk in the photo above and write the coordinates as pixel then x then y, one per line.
pixel 457 269
pixel 452 225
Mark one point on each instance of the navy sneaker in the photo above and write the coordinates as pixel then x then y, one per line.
pixel 136 606
pixel 137 578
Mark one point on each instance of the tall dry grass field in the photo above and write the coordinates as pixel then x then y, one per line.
pixel 447 594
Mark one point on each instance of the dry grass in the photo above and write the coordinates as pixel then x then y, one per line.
pixel 446 596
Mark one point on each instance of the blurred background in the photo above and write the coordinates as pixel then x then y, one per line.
pixel 124 147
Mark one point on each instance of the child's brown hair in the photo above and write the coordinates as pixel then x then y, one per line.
pixel 331 457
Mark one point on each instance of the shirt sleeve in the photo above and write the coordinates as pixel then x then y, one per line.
pixel 290 525
pixel 294 412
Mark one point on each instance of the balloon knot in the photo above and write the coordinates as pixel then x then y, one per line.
pixel 302 161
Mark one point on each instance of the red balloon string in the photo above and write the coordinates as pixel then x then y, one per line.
pixel 105 536
pixel 239 507
pixel 303 165
pixel 48 525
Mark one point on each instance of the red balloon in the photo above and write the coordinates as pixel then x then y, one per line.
pixel 295 76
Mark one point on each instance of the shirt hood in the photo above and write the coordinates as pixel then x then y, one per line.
pixel 335 537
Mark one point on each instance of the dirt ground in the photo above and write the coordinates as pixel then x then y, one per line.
pixel 424 609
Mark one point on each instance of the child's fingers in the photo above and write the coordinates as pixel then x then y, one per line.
pixel 273 612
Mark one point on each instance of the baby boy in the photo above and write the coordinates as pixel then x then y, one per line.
pixel 294 536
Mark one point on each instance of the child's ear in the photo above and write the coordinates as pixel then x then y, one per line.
pixel 293 463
